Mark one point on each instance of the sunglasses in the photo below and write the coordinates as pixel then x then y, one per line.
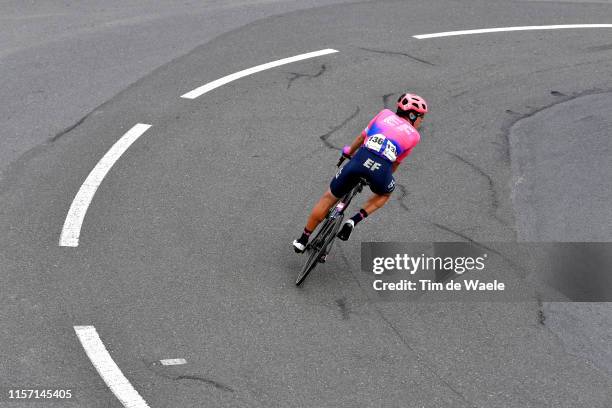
pixel 415 115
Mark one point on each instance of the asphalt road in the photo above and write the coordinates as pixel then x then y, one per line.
pixel 185 251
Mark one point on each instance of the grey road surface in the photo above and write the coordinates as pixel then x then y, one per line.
pixel 185 251
pixel 62 59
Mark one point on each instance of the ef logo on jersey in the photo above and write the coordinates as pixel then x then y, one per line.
pixel 371 164
pixel 392 120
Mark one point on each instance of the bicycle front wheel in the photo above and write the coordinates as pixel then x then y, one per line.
pixel 318 247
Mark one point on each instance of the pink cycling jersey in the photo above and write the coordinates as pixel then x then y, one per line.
pixel 390 136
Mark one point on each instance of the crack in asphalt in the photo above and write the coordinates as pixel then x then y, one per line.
pixel 297 75
pixel 348 265
pixel 34 151
pixel 386 98
pixel 421 361
pixel 403 194
pixel 560 98
pixel 334 129
pixel 565 98
pixel 483 246
pixel 509 123
pixel 557 93
pixel 70 128
pixel 541 315
pixel 152 366
pixel 215 384
pixel 511 112
pixel 481 172
pixel 491 188
pixel 344 308
pixel 445 228
pixel 457 95
pixel 483 320
pixel 412 57
pixel 541 319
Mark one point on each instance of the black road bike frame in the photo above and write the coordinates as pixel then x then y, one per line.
pixel 319 247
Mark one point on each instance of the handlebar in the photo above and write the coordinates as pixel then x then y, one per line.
pixel 342 159
pixel 346 150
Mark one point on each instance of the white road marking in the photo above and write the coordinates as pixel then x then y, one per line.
pixel 229 78
pixel 173 361
pixel 78 208
pixel 502 29
pixel 108 370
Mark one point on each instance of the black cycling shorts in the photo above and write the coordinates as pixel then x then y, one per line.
pixel 366 164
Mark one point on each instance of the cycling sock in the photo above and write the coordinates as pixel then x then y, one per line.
pixel 359 216
pixel 305 235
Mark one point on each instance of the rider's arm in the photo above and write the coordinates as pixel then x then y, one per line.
pixel 394 166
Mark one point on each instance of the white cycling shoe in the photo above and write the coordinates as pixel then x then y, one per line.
pixel 298 246
pixel 345 231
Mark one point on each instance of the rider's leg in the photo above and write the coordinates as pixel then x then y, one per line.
pixel 320 210
pixel 375 202
pixel 342 183
pixel 318 213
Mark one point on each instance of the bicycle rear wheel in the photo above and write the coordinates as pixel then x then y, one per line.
pixel 319 247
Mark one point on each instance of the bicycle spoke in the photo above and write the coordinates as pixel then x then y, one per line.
pixel 308 267
pixel 323 241
pixel 317 247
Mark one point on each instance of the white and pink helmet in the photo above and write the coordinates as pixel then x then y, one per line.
pixel 411 102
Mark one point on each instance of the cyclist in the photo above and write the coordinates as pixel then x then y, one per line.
pixel 378 151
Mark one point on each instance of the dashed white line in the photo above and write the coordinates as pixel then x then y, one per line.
pixel 74 220
pixel 173 361
pixel 503 29
pixel 108 370
pixel 232 77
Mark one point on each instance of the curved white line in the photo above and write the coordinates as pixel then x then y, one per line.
pixel 501 29
pixel 108 370
pixel 78 208
pixel 232 77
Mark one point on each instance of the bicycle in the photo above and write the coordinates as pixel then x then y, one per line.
pixel 320 246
